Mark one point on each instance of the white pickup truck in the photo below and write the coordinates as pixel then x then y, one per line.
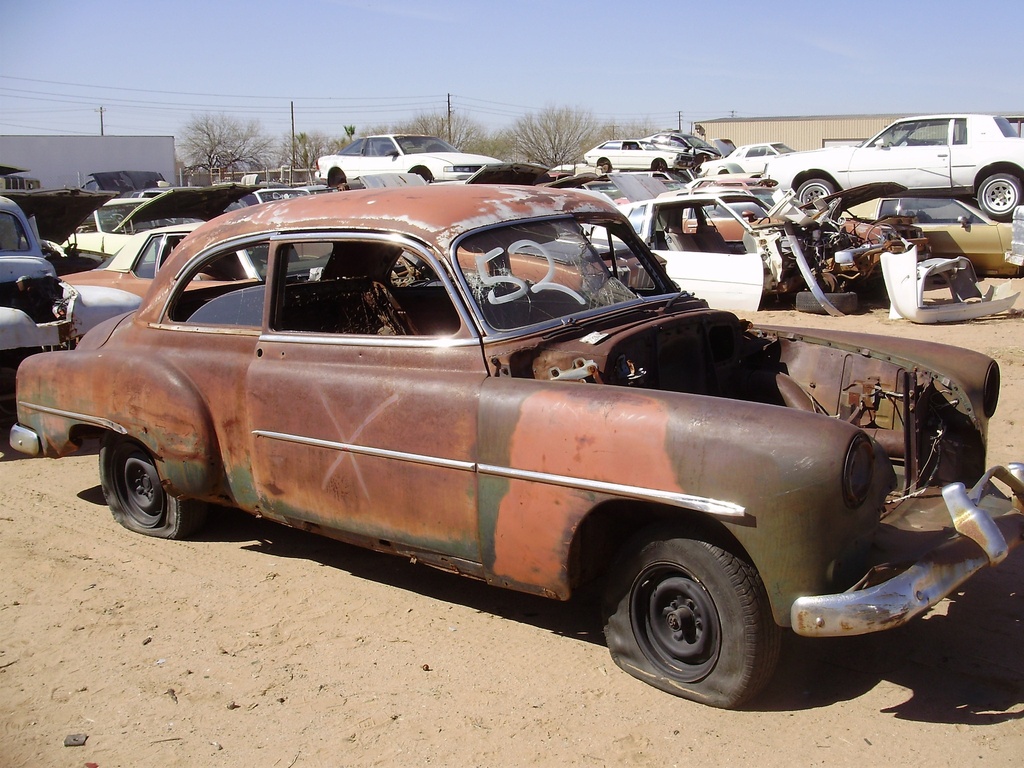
pixel 966 154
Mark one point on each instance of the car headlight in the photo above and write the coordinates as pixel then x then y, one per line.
pixel 461 168
pixel 858 470
pixel 990 393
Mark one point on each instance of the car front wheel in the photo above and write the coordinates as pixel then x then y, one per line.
pixel 136 497
pixel 812 189
pixel 691 618
pixel 999 194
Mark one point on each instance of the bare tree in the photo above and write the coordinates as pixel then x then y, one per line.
pixel 307 149
pixel 630 130
pixel 456 128
pixel 555 135
pixel 221 143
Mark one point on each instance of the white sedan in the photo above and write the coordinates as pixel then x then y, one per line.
pixel 749 158
pixel 426 156
pixel 635 155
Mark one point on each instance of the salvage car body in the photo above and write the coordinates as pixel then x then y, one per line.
pixel 38 310
pixel 953 228
pixel 502 382
pixel 729 249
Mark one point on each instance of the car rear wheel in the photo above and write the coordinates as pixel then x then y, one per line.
pixel 136 497
pixel 604 165
pixel 812 189
pixel 424 173
pixel 690 617
pixel 336 177
pixel 999 194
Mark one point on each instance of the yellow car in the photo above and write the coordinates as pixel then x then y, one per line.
pixel 953 228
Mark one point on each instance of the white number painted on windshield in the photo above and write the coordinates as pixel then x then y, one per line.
pixel 520 287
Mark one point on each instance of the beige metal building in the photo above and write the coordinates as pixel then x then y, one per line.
pixel 810 132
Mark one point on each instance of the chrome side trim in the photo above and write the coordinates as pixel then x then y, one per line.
pixel 688 501
pixel 363 450
pixel 351 340
pixel 82 417
pixel 699 503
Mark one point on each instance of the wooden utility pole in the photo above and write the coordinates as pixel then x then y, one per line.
pixel 101 110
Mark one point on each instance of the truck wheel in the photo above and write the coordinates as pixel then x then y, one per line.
pixel 136 497
pixel 691 618
pixel 998 195
pixel 812 189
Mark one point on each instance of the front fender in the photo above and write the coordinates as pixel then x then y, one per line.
pixel 550 453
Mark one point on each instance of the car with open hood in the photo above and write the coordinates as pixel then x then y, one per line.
pixel 502 382
pixel 111 225
pixel 38 309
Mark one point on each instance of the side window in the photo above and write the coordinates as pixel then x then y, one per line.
pixel 960 130
pixel 145 266
pixel 12 234
pixel 87 225
pixel 636 218
pixel 224 289
pixel 757 152
pixel 362 288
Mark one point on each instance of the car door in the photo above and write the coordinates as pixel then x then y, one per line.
pixel 362 401
pixel 914 153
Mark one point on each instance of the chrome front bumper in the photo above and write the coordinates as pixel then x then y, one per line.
pixel 980 540
pixel 25 440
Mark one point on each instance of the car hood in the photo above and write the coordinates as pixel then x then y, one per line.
pixel 187 203
pixel 57 211
pixel 854 196
pixel 523 174
pixel 453 158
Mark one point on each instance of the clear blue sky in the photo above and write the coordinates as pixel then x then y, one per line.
pixel 152 64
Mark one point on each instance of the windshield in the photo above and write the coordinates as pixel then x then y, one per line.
pixel 535 272
pixel 417 145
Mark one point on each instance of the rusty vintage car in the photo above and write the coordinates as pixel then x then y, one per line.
pixel 502 382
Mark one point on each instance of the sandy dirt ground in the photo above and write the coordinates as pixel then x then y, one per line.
pixel 258 645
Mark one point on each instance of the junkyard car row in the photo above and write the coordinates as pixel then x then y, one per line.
pixel 503 382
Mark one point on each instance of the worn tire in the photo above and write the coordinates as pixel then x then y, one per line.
pixel 847 303
pixel 136 497
pixel 690 617
pixel 812 189
pixel 659 165
pixel 999 194
pixel 604 165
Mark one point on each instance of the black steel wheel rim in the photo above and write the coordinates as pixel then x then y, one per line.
pixel 139 487
pixel 676 623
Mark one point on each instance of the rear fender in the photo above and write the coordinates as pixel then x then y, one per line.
pixel 63 393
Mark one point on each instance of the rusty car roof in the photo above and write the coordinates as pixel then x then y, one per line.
pixel 436 213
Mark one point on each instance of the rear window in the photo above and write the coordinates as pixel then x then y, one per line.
pixel 1006 128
